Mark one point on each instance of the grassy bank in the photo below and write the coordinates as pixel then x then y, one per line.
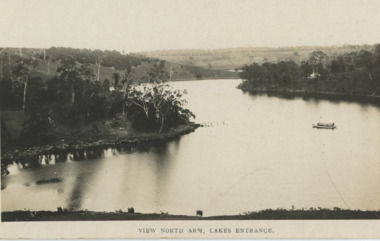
pixel 260 215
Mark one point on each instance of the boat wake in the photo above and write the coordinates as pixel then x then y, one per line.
pixel 333 184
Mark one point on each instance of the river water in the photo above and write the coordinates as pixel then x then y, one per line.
pixel 256 152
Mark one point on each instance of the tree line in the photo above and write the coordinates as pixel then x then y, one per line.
pixel 356 71
pixel 249 50
pixel 75 96
pixel 107 58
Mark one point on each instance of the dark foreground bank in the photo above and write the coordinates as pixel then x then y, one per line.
pixel 261 215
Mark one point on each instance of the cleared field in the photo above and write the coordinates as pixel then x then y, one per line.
pixel 231 58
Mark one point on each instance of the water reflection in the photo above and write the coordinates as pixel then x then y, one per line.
pixel 74 201
pixel 141 175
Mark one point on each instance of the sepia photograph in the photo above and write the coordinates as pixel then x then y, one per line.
pixel 190 119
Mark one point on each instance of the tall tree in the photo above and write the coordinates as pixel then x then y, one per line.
pixel 158 73
pixel 350 60
pixel 377 56
pixel 1 63
pixel 48 64
pixel 171 72
pixel 365 59
pixel 22 70
pixel 252 72
pixel 160 104
pixel 318 57
pixel 140 98
pixel 166 102
pixel 116 77
pixel 69 73
pixel 126 81
pixel 6 89
pixel 98 62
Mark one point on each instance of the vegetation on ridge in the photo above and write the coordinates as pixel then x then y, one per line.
pixel 74 97
pixel 356 73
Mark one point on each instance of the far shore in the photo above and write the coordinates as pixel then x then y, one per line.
pixel 317 94
pixel 195 79
pixel 279 214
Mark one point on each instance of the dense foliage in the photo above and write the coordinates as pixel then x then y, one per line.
pixel 157 106
pixel 108 58
pixel 74 97
pixel 357 72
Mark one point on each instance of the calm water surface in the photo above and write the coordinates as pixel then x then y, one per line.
pixel 261 152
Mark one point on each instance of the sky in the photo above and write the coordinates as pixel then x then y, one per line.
pixel 143 25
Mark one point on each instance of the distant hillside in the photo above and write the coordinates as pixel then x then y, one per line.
pixel 110 62
pixel 231 58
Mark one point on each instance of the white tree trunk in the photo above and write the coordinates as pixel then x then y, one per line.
pixel 24 98
pixel 370 76
pixel 99 69
pixel 144 107
pixel 72 94
pixel 162 124
pixel 95 65
pixel 124 94
pixel 171 73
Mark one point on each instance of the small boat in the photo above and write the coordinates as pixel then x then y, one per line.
pixel 324 125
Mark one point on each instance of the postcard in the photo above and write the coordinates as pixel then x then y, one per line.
pixel 212 119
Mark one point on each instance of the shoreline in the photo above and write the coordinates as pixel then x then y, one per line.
pixel 212 78
pixel 278 214
pixel 21 154
pixel 317 94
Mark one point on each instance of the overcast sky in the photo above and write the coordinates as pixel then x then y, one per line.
pixel 175 24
